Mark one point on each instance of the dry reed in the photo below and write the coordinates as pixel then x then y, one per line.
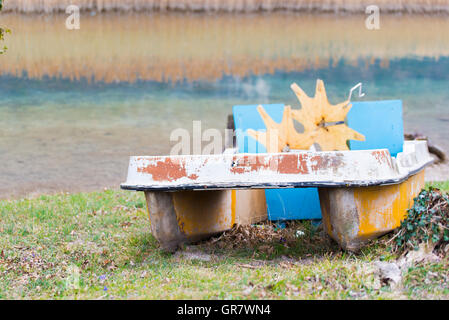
pixel 420 6
pixel 172 47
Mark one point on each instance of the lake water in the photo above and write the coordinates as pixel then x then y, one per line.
pixel 76 104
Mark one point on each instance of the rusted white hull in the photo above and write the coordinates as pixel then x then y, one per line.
pixel 362 193
pixel 276 170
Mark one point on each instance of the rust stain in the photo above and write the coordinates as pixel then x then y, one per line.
pixel 381 156
pixel 193 176
pixel 248 164
pixel 167 170
pixel 294 164
pixel 325 162
pixel 286 164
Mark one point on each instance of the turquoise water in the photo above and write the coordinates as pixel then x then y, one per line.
pixel 57 134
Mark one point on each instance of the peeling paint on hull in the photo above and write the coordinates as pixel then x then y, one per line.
pixel 276 170
pixel 353 216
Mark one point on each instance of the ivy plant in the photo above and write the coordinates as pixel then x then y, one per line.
pixel 427 221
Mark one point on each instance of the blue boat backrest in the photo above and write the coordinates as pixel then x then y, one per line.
pixel 380 122
pixel 247 117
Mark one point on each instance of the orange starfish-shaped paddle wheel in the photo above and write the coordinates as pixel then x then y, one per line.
pixel 280 135
pixel 323 124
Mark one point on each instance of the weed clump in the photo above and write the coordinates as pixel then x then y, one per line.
pixel 268 239
pixel 251 236
pixel 427 223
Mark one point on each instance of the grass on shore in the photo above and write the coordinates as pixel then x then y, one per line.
pixel 98 246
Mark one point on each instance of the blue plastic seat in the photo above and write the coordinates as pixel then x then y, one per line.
pixel 380 122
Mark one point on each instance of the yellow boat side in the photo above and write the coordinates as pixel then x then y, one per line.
pixel 353 216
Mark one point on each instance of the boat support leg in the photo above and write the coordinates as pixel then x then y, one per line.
pixel 188 216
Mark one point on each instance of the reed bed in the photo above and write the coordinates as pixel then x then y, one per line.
pixel 175 47
pixel 420 6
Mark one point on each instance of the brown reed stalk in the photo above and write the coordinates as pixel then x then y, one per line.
pixel 418 6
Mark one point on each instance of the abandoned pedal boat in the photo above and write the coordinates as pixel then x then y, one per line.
pixel 363 193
